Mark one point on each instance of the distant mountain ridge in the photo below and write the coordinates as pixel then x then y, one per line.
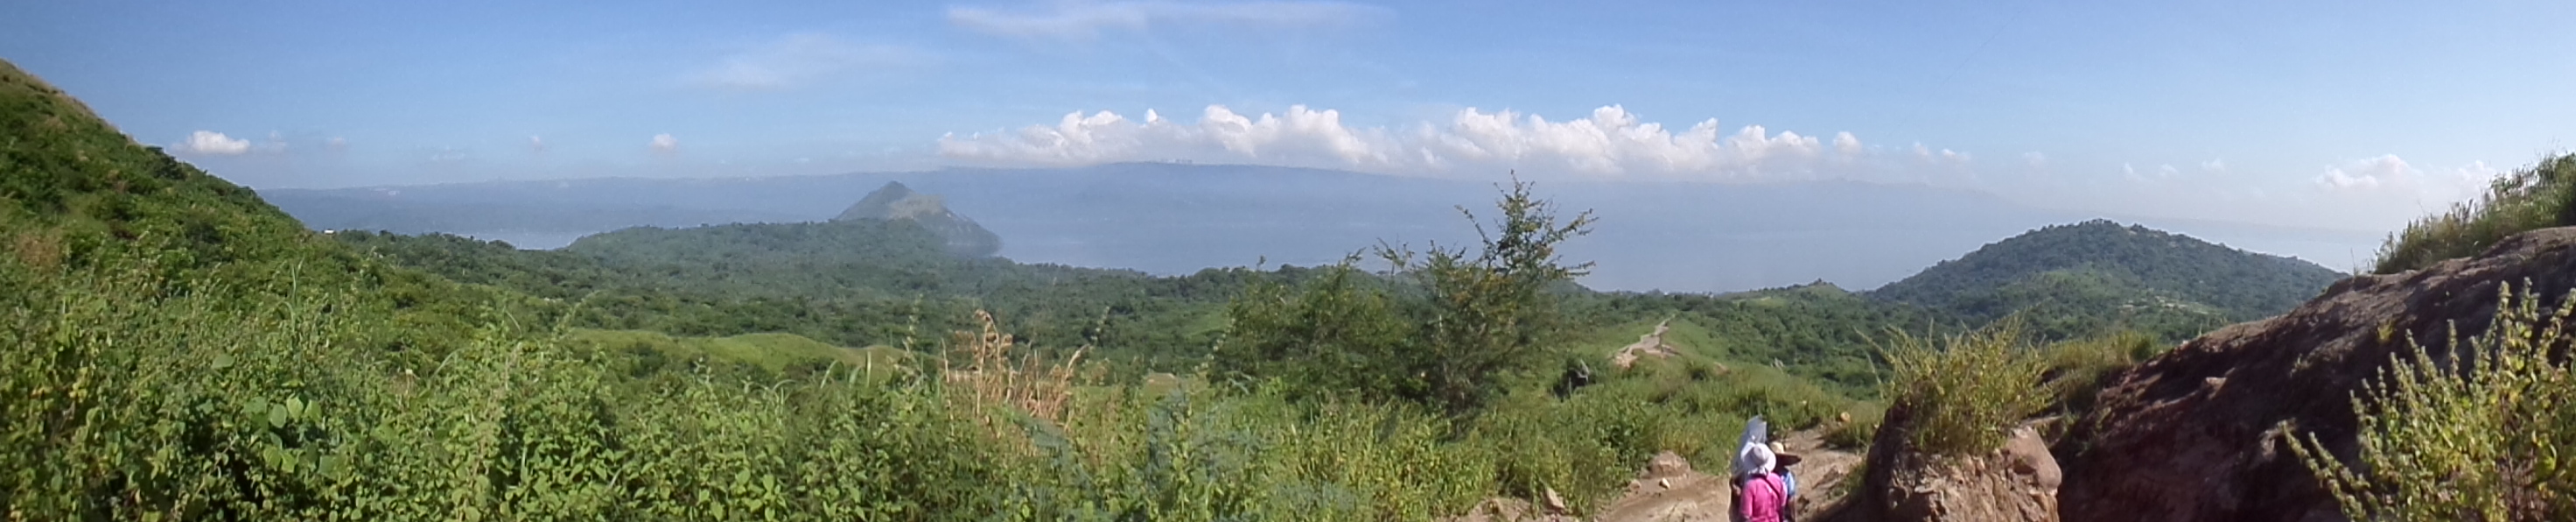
pixel 2103 271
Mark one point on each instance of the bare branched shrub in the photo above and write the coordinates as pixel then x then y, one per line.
pixel 994 376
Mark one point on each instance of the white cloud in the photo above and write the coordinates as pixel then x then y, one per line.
pixel 337 143
pixel 794 61
pixel 2475 176
pixel 2214 165
pixel 664 143
pixel 1082 20
pixel 2035 159
pixel 213 143
pixel 538 143
pixel 1610 143
pixel 1927 155
pixel 2370 173
pixel 1847 144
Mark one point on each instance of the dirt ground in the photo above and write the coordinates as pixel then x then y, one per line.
pixel 1671 489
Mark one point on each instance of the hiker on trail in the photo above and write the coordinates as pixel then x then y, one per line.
pixel 1781 454
pixel 1763 497
pixel 1788 481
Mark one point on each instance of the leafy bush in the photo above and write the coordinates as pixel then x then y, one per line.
pixel 1335 336
pixel 2482 433
pixel 1964 394
pixel 2541 195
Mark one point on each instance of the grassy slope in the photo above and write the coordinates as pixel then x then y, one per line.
pixel 2539 195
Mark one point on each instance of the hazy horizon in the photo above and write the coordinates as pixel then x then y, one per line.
pixel 1171 219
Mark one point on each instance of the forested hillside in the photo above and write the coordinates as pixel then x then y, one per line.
pixel 856 282
pixel 2083 278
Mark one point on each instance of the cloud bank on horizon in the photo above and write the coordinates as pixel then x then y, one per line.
pixel 1611 143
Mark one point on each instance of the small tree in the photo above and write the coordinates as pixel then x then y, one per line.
pixel 1490 310
pixel 1457 319
pixel 2488 436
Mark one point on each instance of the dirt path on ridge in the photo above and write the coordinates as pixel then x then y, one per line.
pixel 1672 489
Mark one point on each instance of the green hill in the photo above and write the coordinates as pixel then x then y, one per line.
pixel 2080 279
pixel 897 202
pixel 77 193
pixel 851 282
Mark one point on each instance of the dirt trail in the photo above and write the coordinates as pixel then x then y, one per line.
pixel 1649 344
pixel 1670 489
pixel 1690 495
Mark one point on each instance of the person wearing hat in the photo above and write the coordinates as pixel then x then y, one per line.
pixel 1762 497
pixel 1788 481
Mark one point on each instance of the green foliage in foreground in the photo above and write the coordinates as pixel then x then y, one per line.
pixel 188 407
pixel 2541 195
pixel 1964 394
pixel 2484 433
pixel 262 408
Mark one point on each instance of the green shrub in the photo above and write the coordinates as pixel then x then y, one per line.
pixel 1334 336
pixel 2482 434
pixel 2538 196
pixel 1444 331
pixel 1964 394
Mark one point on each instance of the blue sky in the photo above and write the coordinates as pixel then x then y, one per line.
pixel 2352 115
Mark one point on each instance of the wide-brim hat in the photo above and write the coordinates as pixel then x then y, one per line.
pixel 1781 453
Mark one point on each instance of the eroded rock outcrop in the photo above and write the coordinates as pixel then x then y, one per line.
pixel 2018 482
pixel 2197 433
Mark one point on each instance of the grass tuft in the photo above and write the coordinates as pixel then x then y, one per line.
pixel 1964 392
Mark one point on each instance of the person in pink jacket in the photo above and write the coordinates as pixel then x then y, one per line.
pixel 1763 497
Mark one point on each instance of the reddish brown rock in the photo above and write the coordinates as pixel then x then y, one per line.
pixel 2195 434
pixel 2017 482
